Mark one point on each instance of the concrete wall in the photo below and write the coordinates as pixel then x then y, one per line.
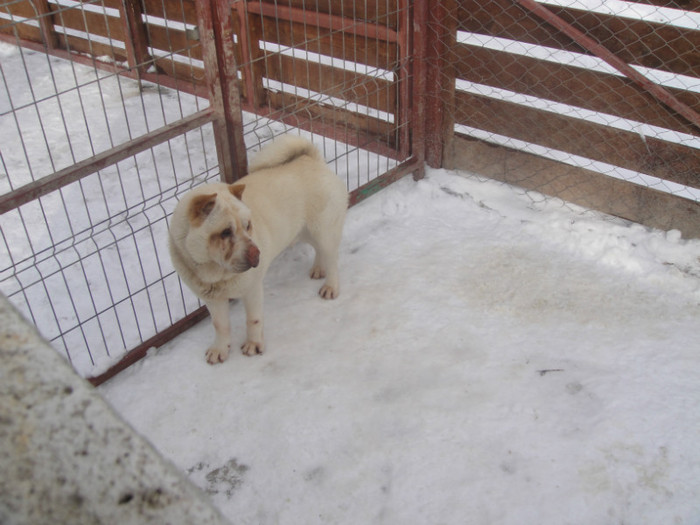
pixel 66 457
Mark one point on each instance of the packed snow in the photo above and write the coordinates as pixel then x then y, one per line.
pixel 493 357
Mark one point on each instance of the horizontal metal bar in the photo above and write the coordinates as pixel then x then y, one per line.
pixel 365 141
pixel 412 165
pixel 156 341
pixel 326 21
pixel 45 185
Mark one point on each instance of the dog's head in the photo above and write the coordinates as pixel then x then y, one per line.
pixel 220 230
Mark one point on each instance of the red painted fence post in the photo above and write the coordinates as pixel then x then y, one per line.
pixel 216 37
pixel 439 39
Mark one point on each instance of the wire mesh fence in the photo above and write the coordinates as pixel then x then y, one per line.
pixel 580 95
pixel 108 114
pixel 83 227
pixel 338 71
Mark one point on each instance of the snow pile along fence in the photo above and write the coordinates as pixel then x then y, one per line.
pixel 592 101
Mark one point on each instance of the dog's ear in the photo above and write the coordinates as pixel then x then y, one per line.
pixel 237 190
pixel 201 207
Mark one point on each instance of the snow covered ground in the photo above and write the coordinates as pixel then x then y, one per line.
pixel 492 358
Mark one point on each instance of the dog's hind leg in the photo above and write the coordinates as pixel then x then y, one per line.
pixel 326 244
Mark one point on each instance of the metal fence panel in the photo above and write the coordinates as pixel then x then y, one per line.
pixel 113 108
pixel 594 102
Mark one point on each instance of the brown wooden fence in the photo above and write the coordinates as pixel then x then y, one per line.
pixel 369 45
pixel 598 108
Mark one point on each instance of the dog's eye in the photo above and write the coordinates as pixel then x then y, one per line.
pixel 227 233
pixel 249 226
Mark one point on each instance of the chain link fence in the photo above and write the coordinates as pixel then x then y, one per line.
pixel 592 101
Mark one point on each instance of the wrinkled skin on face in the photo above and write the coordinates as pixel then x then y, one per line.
pixel 221 231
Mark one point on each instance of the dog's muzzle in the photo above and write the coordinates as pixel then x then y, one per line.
pixel 252 256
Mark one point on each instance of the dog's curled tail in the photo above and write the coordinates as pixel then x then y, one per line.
pixel 282 151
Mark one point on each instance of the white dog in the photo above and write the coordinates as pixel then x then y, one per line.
pixel 224 237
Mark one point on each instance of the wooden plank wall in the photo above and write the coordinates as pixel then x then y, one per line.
pixel 649 44
pixel 158 47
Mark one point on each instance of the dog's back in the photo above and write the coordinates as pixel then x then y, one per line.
pixel 282 151
pixel 291 190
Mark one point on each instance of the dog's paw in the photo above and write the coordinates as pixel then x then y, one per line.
pixel 328 292
pixel 252 348
pixel 317 273
pixel 216 355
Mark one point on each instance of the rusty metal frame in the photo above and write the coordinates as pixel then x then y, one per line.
pixel 438 35
pixel 138 353
pixel 216 37
pixel 420 81
pixel 56 181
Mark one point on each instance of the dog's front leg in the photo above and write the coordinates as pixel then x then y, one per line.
pixel 253 302
pixel 218 352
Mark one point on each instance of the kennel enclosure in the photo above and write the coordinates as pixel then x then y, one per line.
pixel 110 109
